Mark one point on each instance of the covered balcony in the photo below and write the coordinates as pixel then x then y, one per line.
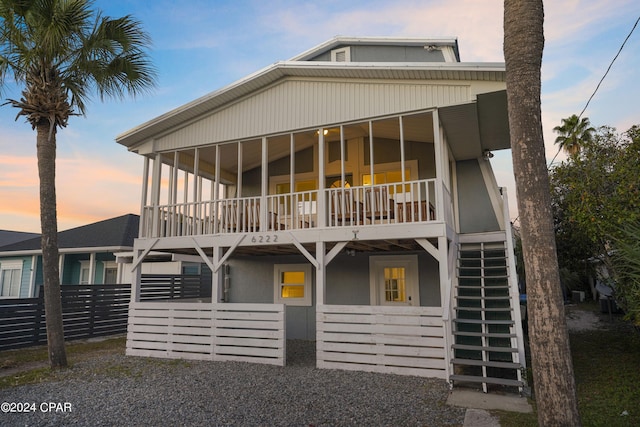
pixel 380 172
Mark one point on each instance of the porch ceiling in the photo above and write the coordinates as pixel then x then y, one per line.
pixel 475 127
pixel 387 245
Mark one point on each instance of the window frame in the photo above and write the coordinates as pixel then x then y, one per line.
pixel 85 265
pixel 11 266
pixel 109 265
pixel 278 269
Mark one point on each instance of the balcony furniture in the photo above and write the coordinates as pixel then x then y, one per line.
pixel 415 211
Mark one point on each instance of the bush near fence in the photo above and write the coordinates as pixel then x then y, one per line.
pixel 90 310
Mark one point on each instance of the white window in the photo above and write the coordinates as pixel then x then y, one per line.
pixel 110 273
pixel 341 55
pixel 84 272
pixel 292 284
pixel 10 278
pixel 394 280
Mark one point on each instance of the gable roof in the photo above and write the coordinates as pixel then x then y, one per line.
pixel 378 41
pixel 8 237
pixel 299 68
pixel 114 233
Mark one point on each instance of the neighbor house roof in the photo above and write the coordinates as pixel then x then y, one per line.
pixel 8 237
pixel 111 234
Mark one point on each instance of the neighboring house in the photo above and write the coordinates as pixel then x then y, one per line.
pixel 344 196
pixel 8 237
pixel 87 256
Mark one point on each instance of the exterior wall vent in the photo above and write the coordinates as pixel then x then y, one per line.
pixel 341 55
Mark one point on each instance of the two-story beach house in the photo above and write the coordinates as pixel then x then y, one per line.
pixel 344 196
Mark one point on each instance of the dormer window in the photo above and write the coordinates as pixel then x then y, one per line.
pixel 341 55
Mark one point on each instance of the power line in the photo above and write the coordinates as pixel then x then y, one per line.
pixel 600 82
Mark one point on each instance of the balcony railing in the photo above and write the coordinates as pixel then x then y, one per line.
pixel 395 203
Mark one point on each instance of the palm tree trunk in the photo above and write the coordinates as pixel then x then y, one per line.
pixel 553 379
pixel 46 152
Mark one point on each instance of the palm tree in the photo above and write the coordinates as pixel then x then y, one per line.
pixel 62 51
pixel 550 353
pixel 573 133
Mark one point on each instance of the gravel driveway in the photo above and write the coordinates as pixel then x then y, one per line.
pixel 116 390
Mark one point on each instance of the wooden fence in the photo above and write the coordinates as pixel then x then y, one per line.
pixel 89 310
pixel 397 340
pixel 204 331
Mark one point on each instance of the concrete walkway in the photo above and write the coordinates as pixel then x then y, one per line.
pixel 479 404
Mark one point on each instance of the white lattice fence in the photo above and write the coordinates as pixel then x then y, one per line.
pixel 399 340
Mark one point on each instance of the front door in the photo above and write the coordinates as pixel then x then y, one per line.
pixel 394 280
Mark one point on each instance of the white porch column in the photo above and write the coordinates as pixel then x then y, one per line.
pixel 438 149
pixel 320 203
pixel 32 276
pixel 61 266
pixel 143 202
pixel 136 277
pixel 155 194
pixel 216 290
pixel 264 190
pixel 445 298
pixel 92 269
pixel 321 279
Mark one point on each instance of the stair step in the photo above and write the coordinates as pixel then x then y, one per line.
pixel 484 334
pixel 481 287
pixel 485 321
pixel 479 348
pixel 476 297
pixel 488 380
pixel 488 363
pixel 495 309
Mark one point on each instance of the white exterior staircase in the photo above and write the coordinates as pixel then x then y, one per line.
pixel 488 343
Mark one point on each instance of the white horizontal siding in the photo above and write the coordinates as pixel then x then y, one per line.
pixel 398 340
pixel 298 104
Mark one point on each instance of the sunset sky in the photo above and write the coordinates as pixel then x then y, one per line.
pixel 201 46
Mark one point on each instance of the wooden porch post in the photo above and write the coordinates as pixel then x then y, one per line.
pixel 321 279
pixel 61 266
pixel 445 298
pixel 92 269
pixel 136 277
pixel 216 294
pixel 320 210
pixel 142 231
pixel 155 194
pixel 438 151
pixel 265 186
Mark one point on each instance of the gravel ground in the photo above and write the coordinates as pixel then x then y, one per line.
pixel 117 390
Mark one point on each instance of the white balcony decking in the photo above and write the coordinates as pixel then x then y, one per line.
pixel 386 204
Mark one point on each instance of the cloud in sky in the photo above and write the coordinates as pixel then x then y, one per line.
pixel 201 46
